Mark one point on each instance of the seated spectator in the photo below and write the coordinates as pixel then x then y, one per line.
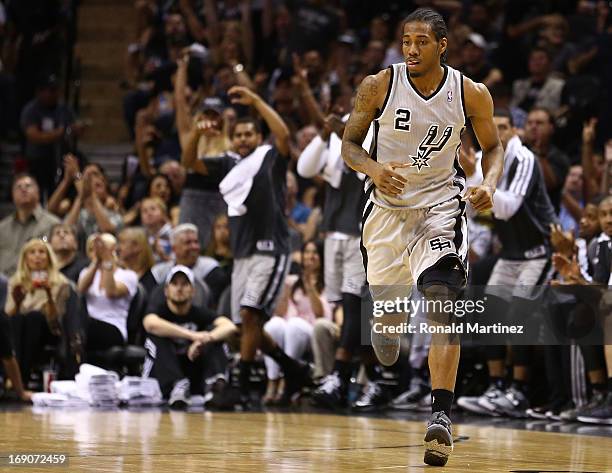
pixel 154 219
pixel 186 248
pixel 135 254
pixel 184 343
pixel 36 304
pixel 90 212
pixel 219 247
pixel 28 221
pixel 60 201
pixel 475 63
pixel 64 244
pixel 44 122
pixel 108 291
pixel 539 131
pixel 159 186
pixel 540 89
pixel 302 303
pixel 7 353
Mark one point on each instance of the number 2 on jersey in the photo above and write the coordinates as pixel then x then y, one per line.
pixel 402 119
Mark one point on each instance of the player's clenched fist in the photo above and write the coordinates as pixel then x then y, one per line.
pixel 387 180
pixel 481 197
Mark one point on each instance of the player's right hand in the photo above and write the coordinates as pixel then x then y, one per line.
pixel 387 180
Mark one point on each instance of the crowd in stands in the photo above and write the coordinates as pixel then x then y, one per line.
pixel 211 83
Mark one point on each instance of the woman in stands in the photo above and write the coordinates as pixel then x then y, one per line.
pixel 136 254
pixel 109 290
pixel 36 304
pixel 303 302
pixel 204 144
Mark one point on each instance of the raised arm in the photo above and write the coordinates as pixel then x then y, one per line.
pixel 368 102
pixel 278 127
pixel 479 109
pixel 183 118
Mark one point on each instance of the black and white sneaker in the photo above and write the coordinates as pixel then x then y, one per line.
pixel 331 394
pixel 599 415
pixel 438 440
pixel 179 397
pixel 417 398
pixel 483 404
pixel 375 396
pixel 513 403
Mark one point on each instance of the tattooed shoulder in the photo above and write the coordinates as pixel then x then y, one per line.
pixel 370 89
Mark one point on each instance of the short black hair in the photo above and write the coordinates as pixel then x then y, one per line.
pixel 245 120
pixel 504 113
pixel 434 20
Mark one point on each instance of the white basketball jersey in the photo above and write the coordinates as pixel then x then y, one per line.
pixel 425 133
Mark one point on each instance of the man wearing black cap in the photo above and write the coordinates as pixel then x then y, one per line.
pixel 184 349
pixel 46 123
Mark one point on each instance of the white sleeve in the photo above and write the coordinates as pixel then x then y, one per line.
pixel 506 204
pixel 313 158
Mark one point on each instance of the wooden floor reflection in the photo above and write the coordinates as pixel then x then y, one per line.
pixel 154 441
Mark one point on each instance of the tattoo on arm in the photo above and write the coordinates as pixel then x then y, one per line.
pixel 359 122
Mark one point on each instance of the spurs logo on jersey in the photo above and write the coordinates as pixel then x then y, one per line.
pixel 423 132
pixel 429 145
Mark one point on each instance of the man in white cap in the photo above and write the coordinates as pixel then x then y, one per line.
pixel 184 343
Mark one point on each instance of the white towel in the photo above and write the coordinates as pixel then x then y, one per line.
pixel 334 167
pixel 235 187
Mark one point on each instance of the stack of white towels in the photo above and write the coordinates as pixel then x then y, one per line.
pixel 98 387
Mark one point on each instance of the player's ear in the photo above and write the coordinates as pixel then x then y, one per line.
pixel 443 44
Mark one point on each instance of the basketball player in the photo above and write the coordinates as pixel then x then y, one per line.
pixel 414 225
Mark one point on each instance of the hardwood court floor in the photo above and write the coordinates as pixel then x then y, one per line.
pixel 155 441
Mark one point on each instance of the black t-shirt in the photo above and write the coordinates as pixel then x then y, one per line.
pixel 217 168
pixel 72 270
pixel 263 228
pixel 197 319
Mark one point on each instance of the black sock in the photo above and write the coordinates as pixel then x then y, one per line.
pixel 244 376
pixel 441 400
pixel 599 387
pixel 610 384
pixel 287 363
pixel 373 371
pixel 497 381
pixel 344 370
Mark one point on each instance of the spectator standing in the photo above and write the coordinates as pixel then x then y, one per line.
pixel 46 124
pixel 539 130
